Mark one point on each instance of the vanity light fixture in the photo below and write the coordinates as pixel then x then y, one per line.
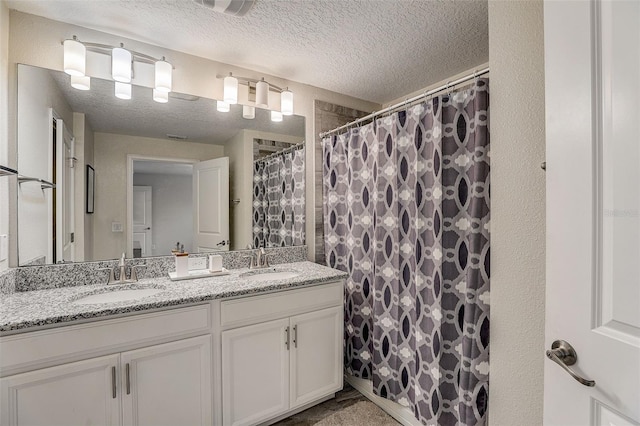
pixel 222 106
pixel 163 76
pixel 262 94
pixel 248 112
pixel 121 64
pixel 81 82
pixel 161 97
pixel 123 90
pixel 276 116
pixel 75 57
pixel 286 102
pixel 231 89
pixel 258 92
pixel 122 61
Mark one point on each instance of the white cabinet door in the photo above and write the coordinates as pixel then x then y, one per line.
pixel 316 357
pixel 78 393
pixel 168 384
pixel 255 372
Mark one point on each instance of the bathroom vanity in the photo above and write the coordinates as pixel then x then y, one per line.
pixel 241 349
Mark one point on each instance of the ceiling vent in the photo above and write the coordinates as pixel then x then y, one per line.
pixel 230 7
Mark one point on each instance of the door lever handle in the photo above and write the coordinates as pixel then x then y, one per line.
pixel 563 354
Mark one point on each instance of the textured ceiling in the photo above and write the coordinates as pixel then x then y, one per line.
pixel 196 119
pixel 376 50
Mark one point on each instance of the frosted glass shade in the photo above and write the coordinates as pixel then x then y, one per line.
pixel 163 76
pixel 222 106
pixel 123 90
pixel 276 116
pixel 286 102
pixel 75 57
pixel 81 82
pixel 162 97
pixel 262 94
pixel 230 89
pixel 248 112
pixel 121 65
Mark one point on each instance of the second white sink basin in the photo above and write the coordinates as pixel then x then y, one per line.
pixel 269 275
pixel 118 296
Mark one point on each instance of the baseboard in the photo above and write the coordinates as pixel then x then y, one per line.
pixel 395 410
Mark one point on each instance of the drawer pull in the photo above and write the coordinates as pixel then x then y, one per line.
pixel 286 342
pixel 128 379
pixel 295 336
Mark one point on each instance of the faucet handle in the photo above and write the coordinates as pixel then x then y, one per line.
pixel 134 271
pixel 252 261
pixel 112 276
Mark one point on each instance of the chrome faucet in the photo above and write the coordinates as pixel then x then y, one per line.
pixel 122 278
pixel 258 259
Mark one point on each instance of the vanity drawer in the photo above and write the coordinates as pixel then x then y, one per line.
pixel 38 349
pixel 254 309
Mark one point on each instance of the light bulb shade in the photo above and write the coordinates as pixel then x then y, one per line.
pixel 231 89
pixel 81 82
pixel 123 90
pixel 121 65
pixel 163 76
pixel 276 116
pixel 222 106
pixel 162 97
pixel 262 94
pixel 75 57
pixel 248 112
pixel 286 102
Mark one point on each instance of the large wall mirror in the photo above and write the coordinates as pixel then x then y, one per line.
pixel 142 177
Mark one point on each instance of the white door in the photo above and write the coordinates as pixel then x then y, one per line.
pixel 316 355
pixel 592 71
pixel 79 393
pixel 65 190
pixel 255 372
pixel 211 205
pixel 142 220
pixel 168 384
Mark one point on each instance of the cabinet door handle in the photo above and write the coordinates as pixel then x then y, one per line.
pixel 286 342
pixel 295 336
pixel 128 379
pixel 113 382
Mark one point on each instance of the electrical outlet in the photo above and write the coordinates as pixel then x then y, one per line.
pixel 197 263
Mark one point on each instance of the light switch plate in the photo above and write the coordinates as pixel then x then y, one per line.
pixel 4 247
pixel 116 227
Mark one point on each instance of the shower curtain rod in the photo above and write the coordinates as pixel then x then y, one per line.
pixel 284 151
pixel 409 101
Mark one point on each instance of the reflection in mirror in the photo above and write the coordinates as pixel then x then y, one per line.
pixel 164 174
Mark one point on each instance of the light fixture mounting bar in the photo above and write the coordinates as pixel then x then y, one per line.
pixel 105 49
pixel 248 81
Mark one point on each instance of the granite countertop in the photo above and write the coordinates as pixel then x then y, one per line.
pixel 22 311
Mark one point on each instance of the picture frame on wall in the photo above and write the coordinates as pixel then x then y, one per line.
pixel 91 186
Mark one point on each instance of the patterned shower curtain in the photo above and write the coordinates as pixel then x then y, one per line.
pixel 278 200
pixel 406 208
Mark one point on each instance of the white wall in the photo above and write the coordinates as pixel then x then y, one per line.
pixel 239 149
pixel 516 56
pixel 4 135
pixel 110 157
pixel 36 41
pixel 38 93
pixel 171 210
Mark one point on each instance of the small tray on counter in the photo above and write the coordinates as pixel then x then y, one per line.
pixel 198 273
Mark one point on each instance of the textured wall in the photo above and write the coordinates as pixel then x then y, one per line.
pixel 516 57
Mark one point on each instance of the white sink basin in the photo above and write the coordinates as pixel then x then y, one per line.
pixel 269 275
pixel 118 296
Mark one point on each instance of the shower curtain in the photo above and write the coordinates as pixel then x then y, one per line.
pixel 278 200
pixel 406 209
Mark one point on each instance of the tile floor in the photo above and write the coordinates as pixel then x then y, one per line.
pixel 345 398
